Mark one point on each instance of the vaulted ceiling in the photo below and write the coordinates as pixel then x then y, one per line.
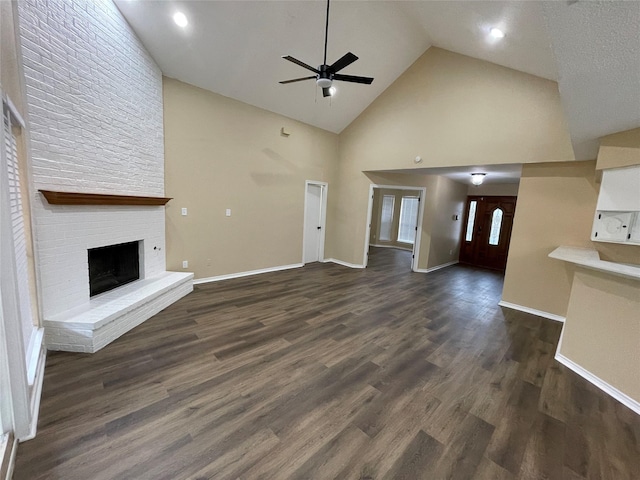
pixel 592 49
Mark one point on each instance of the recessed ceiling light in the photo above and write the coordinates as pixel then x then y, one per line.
pixel 332 91
pixel 496 33
pixel 180 19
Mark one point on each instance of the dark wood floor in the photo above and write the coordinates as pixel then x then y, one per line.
pixel 326 372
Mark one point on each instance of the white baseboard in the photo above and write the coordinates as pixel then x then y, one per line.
pixel 437 267
pixel 247 274
pixel 533 311
pixel 623 398
pixel 344 264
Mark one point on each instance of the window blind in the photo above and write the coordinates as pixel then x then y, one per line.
pixel 408 219
pixel 386 217
pixel 17 223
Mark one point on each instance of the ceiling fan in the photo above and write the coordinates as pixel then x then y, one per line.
pixel 326 74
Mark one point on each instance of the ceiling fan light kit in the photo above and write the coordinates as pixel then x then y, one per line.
pixel 323 82
pixel 326 74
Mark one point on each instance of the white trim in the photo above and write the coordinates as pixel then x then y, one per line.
pixel 8 452
pixel 36 394
pixel 437 267
pixel 344 264
pixel 324 187
pixel 559 342
pixel 623 398
pixel 11 330
pixel 33 353
pixel 246 274
pixel 533 311
pixel 416 244
pixel 13 110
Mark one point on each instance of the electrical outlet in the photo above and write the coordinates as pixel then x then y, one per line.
pixel 185 264
pixel 228 212
pixel 450 252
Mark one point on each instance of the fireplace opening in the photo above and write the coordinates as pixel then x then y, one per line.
pixel 113 266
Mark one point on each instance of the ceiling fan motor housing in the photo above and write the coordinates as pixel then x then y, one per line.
pixel 325 77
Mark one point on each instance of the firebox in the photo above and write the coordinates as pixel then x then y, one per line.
pixel 113 266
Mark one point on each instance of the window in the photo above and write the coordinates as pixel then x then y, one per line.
pixel 496 223
pixel 386 217
pixel 471 219
pixel 408 217
pixel 11 122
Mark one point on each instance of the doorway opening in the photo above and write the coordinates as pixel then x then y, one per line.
pixel 315 218
pixel 487 233
pixel 394 220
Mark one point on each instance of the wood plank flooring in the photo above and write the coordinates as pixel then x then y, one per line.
pixel 326 372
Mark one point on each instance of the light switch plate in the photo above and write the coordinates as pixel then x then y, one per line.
pixel 228 212
pixel 184 212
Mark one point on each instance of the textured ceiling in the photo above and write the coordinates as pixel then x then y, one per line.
pixel 234 47
pixel 597 47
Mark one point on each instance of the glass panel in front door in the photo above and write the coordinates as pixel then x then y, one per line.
pixel 471 218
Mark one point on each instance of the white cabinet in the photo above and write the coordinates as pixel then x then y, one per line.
pixel 617 217
pixel 620 190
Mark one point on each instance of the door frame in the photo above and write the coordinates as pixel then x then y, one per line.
pixel 415 254
pixel 324 188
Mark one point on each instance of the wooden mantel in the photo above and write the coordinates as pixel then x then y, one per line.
pixel 71 198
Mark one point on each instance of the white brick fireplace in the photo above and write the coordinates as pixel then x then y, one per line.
pixel 74 321
pixel 96 125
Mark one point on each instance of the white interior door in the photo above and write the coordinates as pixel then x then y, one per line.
pixel 313 223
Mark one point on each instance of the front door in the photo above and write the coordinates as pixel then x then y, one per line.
pixel 487 232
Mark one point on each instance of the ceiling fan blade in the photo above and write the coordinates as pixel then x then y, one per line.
pixel 298 62
pixel 299 79
pixel 346 60
pixel 326 92
pixel 352 78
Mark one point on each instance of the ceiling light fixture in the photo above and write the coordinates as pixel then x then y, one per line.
pixel 496 33
pixel 180 19
pixel 332 91
pixel 323 82
pixel 477 178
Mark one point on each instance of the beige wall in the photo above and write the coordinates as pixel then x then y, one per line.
pixel 602 331
pixel 556 205
pixel 455 110
pixel 452 110
pixel 620 149
pixel 494 189
pixel 445 231
pixel 221 153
